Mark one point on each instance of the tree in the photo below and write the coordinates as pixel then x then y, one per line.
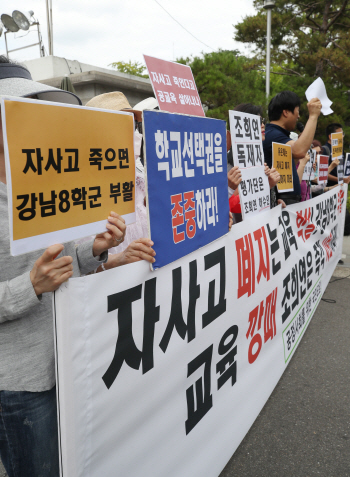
pixel 131 68
pixel 225 79
pixel 309 39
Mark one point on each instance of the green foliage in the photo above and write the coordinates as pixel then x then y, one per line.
pixel 309 40
pixel 225 79
pixel 131 68
pixel 348 201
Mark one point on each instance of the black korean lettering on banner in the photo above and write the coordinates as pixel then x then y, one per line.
pixel 319 256
pixel 287 234
pixel 51 162
pixel 274 246
pixel 123 155
pixel 176 320
pixel 30 162
pixel 27 213
pixel 241 154
pixel 126 349
pixel 199 397
pixel 214 311
pixel 73 160
pixel 115 191
pixel 94 197
pixel 194 295
pixel 79 196
pixel 95 158
pixel 110 155
pixel 48 207
pixel 64 204
pixel 238 126
pixel 127 191
pixel 227 366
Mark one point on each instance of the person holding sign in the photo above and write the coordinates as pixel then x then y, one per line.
pixel 28 424
pixel 283 115
pixel 333 128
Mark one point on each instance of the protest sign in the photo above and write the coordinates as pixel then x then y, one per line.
pixel 347 166
pixel 337 145
pixel 254 191
pixel 185 163
pixel 163 373
pixel 67 167
pixel 340 170
pixel 174 86
pixel 322 162
pixel 282 162
pixel 246 139
pixel 309 173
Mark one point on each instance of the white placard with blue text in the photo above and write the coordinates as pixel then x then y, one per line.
pixel 185 163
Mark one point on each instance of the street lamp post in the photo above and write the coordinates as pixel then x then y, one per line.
pixel 268 5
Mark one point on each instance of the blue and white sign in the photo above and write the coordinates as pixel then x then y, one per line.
pixel 185 163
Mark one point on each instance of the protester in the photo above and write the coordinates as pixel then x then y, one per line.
pixel 283 113
pixel 333 175
pixel 28 424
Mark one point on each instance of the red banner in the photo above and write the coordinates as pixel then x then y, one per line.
pixel 174 87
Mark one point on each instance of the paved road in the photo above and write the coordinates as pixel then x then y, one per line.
pixel 304 428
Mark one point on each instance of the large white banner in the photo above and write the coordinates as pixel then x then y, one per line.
pixel 162 373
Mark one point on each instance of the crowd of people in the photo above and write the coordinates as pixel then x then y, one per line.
pixel 28 423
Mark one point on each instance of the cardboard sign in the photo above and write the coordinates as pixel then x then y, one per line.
pixel 322 169
pixel 185 163
pixel 309 173
pixel 347 165
pixel 67 167
pixel 246 139
pixel 282 162
pixel 254 191
pixel 174 87
pixel 337 145
pixel 161 374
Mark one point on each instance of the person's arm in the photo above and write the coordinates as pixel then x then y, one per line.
pixel 19 295
pixel 302 164
pixel 235 205
pixel 303 143
pixel 138 250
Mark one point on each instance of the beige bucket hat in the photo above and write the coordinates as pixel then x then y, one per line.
pixel 116 101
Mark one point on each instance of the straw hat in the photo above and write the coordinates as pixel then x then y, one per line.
pixel 115 101
pixel 16 80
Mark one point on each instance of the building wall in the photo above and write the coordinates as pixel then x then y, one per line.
pixel 89 80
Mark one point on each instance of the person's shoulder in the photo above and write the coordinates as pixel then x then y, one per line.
pixel 274 133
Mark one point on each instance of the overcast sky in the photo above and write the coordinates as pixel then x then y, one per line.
pixel 100 32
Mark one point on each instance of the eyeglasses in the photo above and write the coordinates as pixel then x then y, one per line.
pixel 262 120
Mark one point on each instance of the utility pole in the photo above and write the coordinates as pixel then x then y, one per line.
pixel 268 5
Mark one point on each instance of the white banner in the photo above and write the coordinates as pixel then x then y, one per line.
pixel 162 373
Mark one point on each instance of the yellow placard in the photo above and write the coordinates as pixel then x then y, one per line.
pixel 337 145
pixel 69 166
pixel 282 162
